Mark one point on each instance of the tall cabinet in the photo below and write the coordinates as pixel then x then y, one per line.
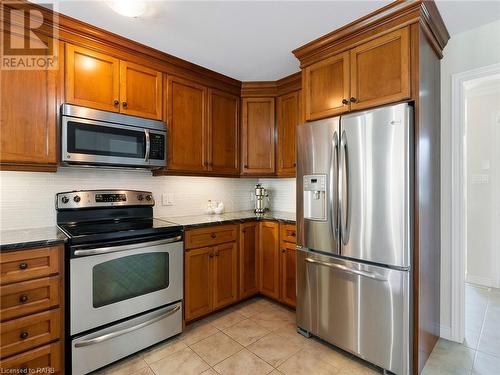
pixel 389 56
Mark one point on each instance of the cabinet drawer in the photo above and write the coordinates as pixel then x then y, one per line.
pixel 22 334
pixel 27 297
pixel 29 264
pixel 48 356
pixel 209 236
pixel 288 233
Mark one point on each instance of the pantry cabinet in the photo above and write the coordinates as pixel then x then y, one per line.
pixel 258 136
pixel 288 118
pixel 223 127
pixel 372 73
pixel 100 81
pixel 28 117
pixel 187 125
pixel 249 259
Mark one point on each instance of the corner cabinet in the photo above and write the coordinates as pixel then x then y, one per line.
pixel 258 136
pixel 186 103
pixel 288 118
pixel 373 73
pixel 100 81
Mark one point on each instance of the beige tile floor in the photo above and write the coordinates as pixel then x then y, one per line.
pixel 259 337
pixel 255 337
pixel 480 353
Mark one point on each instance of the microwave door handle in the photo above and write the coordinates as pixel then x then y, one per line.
pixel 112 335
pixel 148 144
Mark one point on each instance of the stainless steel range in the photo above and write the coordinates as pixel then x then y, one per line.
pixel 125 275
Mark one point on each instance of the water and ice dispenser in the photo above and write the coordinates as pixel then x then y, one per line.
pixel 315 199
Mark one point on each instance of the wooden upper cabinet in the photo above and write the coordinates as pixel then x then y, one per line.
pixel 223 125
pixel 225 274
pixel 92 79
pixel 380 70
pixel 288 120
pixel 258 136
pixel 186 122
pixel 325 87
pixel 28 117
pixel 269 259
pixel 198 282
pixel 249 259
pixel 140 91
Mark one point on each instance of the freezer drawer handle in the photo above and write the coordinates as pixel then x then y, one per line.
pixel 113 249
pixel 370 275
pixel 112 335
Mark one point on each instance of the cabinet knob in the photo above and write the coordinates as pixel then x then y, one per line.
pixel 283 251
pixel 353 99
pixel 213 235
pixel 24 335
pixel 116 102
pixel 246 166
pixel 217 254
pixel 211 255
pixel 345 101
pixel 23 266
pixel 124 104
pixel 23 298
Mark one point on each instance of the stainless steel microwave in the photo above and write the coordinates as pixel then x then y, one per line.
pixel 99 138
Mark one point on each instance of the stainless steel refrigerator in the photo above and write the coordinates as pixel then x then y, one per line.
pixel 354 220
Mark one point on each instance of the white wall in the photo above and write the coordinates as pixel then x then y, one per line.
pixel 27 199
pixel 472 49
pixel 483 184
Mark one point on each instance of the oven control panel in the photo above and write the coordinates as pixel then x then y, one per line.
pixel 99 198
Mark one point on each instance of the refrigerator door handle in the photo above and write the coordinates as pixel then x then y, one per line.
pixel 370 275
pixel 334 204
pixel 344 185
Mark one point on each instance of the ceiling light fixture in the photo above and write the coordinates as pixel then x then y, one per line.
pixel 128 8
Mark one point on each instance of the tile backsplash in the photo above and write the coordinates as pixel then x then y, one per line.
pixel 27 198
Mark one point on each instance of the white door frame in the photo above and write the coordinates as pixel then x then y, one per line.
pixel 459 195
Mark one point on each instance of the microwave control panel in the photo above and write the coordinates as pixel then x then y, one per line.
pixel 157 146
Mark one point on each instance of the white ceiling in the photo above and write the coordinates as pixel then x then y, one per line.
pixel 251 40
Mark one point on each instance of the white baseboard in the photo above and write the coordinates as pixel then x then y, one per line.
pixel 445 332
pixel 481 280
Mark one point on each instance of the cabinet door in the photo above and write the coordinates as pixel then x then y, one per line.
pixel 269 259
pixel 223 119
pixel 258 135
pixel 186 121
pixel 92 79
pixel 380 70
pixel 288 272
pixel 225 268
pixel 198 282
pixel 140 91
pixel 249 259
pixel 288 119
pixel 326 87
pixel 28 117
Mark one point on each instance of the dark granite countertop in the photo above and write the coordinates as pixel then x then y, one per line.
pixel 230 217
pixel 31 237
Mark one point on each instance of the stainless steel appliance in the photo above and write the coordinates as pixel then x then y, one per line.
pixel 124 275
pixel 262 200
pixel 353 233
pixel 98 138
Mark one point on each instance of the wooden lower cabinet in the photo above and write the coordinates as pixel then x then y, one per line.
pixel 288 273
pixel 32 310
pixel 249 259
pixel 269 259
pixel 211 279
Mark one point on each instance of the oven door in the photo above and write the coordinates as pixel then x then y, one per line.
pixel 100 143
pixel 112 283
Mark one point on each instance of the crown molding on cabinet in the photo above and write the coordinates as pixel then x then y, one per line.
pixel 386 19
pixel 273 89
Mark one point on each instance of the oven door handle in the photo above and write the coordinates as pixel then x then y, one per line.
pixel 112 335
pixel 113 249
